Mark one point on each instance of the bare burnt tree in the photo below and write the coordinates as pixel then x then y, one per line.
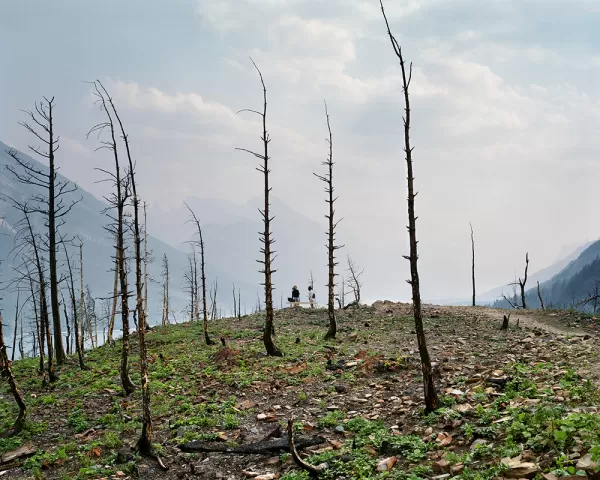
pixel 521 283
pixel 473 261
pixel 67 323
pixel 189 280
pixel 354 282
pixel 165 276
pixel 52 203
pixel 332 224
pixel 28 239
pixel 14 344
pixel 200 243
pixel 71 290
pixel 38 319
pixel 234 302
pixel 144 443
pixel 539 292
pixel 147 259
pixel 431 399
pixel 265 236
pixel 115 297
pixel 7 372
pixel 117 201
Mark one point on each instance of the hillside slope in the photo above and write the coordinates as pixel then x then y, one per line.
pixel 505 395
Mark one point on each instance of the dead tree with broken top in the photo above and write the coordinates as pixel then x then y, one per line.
pixel 71 290
pixel 473 261
pixel 521 283
pixel 431 399
pixel 332 224
pixel 200 243
pixel 144 443
pixel 117 201
pixel 541 299
pixel 166 278
pixel 266 236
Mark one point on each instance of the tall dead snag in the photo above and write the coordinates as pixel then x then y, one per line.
pixel 14 344
pixel 7 372
pixel 540 296
pixel 165 275
pixel 71 289
pixel 29 238
pixel 331 247
pixel 521 283
pixel 354 283
pixel 117 201
pixel 234 303
pixel 524 281
pixel 189 278
pixel 144 444
pixel 431 399
pixel 200 242
pixel 265 236
pixel 52 205
pixel 113 312
pixel 473 261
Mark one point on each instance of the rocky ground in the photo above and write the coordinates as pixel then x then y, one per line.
pixel 520 403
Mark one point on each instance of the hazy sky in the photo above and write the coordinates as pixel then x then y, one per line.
pixel 505 114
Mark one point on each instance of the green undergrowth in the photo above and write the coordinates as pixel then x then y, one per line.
pixel 199 392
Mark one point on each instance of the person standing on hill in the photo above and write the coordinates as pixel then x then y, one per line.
pixel 295 295
pixel 311 296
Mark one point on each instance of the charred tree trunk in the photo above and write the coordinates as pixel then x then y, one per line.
pixel 51 205
pixel 58 345
pixel 67 323
pixel 473 261
pixel 113 313
pixel 144 444
pixel 523 281
pixel 542 300
pixel 146 259
pixel 71 289
pixel 505 321
pixel 165 272
pixel 14 344
pixel 200 243
pixel 38 324
pixel 331 247
pixel 7 372
pixel 431 399
pixel 118 201
pixel 266 238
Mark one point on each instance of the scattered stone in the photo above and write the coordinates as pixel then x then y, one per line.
pixel 386 464
pixel 339 388
pixel 586 463
pixel 339 429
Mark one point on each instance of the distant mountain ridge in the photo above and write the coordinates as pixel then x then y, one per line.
pixel 567 288
pixel 87 222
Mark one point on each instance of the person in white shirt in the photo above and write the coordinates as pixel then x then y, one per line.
pixel 311 297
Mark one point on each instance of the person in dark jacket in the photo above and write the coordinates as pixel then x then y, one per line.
pixel 295 295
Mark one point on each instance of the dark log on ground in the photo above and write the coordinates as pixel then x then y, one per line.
pixel 252 448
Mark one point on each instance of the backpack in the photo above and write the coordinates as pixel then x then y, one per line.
pixel 314 296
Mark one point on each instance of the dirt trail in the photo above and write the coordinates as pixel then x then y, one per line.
pixel 538 320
